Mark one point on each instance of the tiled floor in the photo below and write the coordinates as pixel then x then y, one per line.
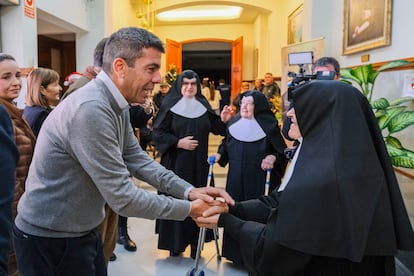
pixel 148 260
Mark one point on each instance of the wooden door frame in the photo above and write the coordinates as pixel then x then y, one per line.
pixel 235 82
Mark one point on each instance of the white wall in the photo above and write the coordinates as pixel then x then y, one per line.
pixel 18 36
pixel 96 29
pixel 19 33
pixel 76 12
pixel 401 33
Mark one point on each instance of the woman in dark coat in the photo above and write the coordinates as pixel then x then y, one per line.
pixel 9 155
pixel 339 210
pixel 180 133
pixel 43 94
pixel 253 145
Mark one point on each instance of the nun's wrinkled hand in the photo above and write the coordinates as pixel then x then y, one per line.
pixel 217 157
pixel 207 222
pixel 226 113
pixel 187 143
pixel 268 162
pixel 216 209
pixel 147 106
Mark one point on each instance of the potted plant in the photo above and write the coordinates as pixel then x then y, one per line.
pixel 392 115
pixel 171 74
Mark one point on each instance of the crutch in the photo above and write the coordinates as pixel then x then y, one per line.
pixel 212 160
pixel 267 183
pixel 195 270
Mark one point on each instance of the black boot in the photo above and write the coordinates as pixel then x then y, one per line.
pixel 123 237
pixel 112 258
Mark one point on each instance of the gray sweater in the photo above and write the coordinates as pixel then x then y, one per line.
pixel 84 156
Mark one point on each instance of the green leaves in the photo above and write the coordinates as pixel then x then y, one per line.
pixel 401 121
pixel 400 156
pixel 381 103
pixel 387 115
pixel 392 115
pixel 365 75
pixel 393 64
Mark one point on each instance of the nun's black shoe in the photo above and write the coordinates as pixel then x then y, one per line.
pixel 174 254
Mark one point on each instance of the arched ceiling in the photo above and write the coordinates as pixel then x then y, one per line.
pixel 251 9
pixel 249 14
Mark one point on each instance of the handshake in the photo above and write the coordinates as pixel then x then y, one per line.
pixel 207 205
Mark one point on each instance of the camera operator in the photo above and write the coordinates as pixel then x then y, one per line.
pixel 325 64
pixel 322 65
pixel 325 68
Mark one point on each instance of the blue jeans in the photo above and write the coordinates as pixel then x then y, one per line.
pixel 41 256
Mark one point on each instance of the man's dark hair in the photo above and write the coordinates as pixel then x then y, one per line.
pixel 324 61
pixel 6 57
pixel 98 52
pixel 128 43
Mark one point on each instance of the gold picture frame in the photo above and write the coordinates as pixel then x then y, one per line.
pixel 295 25
pixel 366 25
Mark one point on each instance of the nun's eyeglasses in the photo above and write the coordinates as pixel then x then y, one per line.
pixel 246 103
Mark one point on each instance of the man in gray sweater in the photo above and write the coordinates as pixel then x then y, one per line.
pixel 84 155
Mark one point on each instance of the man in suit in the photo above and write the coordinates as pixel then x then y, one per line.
pixel 225 93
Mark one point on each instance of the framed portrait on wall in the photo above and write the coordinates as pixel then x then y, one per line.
pixel 366 25
pixel 295 24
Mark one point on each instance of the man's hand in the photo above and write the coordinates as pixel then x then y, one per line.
pixel 187 143
pixel 90 73
pixel 208 194
pixel 198 207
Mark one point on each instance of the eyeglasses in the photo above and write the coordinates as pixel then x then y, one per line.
pixel 246 103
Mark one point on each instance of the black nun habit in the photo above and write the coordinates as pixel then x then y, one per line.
pixel 179 117
pixel 341 212
pixel 247 143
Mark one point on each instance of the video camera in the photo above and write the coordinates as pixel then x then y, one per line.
pixel 300 59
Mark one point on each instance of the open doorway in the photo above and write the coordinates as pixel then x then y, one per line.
pixel 210 59
pixel 56 45
pixel 174 56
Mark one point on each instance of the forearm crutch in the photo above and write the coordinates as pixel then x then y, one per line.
pixel 195 270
